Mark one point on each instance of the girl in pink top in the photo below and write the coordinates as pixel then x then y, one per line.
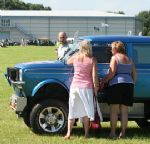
pixel 82 73
pixel 83 86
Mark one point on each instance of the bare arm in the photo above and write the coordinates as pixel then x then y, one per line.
pixel 133 72
pixel 112 70
pixel 70 60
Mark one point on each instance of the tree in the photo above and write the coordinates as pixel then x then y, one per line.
pixel 20 5
pixel 144 16
pixel 120 12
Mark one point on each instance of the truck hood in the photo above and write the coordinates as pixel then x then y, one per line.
pixel 41 64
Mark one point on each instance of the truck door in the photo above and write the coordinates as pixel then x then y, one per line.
pixel 141 58
pixel 102 53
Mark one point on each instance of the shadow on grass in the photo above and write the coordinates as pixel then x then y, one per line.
pixel 131 133
pixel 104 133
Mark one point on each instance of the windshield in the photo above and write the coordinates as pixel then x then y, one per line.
pixel 101 51
pixel 73 48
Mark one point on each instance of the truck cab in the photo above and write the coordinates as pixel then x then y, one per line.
pixel 42 87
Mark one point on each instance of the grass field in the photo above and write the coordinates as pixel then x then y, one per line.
pixel 14 131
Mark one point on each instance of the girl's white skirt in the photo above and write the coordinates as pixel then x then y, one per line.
pixel 81 103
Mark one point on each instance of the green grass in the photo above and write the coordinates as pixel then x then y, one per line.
pixel 14 131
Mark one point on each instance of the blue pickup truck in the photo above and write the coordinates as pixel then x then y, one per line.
pixel 42 87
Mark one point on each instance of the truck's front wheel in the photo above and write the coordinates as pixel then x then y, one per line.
pixel 49 116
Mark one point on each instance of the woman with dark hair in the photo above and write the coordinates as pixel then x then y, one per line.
pixel 121 78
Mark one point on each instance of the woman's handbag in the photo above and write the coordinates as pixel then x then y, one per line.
pixel 95 124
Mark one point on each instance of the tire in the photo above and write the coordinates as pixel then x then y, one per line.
pixel 143 123
pixel 48 117
pixel 26 118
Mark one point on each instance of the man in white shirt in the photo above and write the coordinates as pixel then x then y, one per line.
pixel 63 46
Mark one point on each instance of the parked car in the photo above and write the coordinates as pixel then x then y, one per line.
pixel 45 42
pixel 31 42
pixel 40 42
pixel 3 44
pixel 42 88
pixel 13 43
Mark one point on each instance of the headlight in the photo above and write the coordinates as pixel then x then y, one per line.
pixel 13 74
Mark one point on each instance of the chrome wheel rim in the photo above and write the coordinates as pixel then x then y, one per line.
pixel 51 119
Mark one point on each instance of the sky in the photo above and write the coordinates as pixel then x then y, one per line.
pixel 129 7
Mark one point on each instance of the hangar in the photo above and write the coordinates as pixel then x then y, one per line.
pixel 22 24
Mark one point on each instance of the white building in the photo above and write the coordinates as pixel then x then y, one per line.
pixel 18 24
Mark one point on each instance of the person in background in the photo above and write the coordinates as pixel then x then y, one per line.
pixel 62 45
pixel 84 84
pixel 121 78
pixel 23 42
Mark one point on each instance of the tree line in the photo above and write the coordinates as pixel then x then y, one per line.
pixel 144 16
pixel 20 5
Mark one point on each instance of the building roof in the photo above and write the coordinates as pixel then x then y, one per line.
pixel 59 13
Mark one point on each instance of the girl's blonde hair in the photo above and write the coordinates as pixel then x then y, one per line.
pixel 118 46
pixel 86 48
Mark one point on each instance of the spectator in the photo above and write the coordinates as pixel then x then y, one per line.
pixel 23 42
pixel 121 78
pixel 63 46
pixel 81 89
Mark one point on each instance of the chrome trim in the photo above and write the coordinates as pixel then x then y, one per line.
pixel 18 82
pixel 20 74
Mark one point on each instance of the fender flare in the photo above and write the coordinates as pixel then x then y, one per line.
pixel 49 81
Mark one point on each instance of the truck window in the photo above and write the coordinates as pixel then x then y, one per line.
pixel 102 52
pixel 141 53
